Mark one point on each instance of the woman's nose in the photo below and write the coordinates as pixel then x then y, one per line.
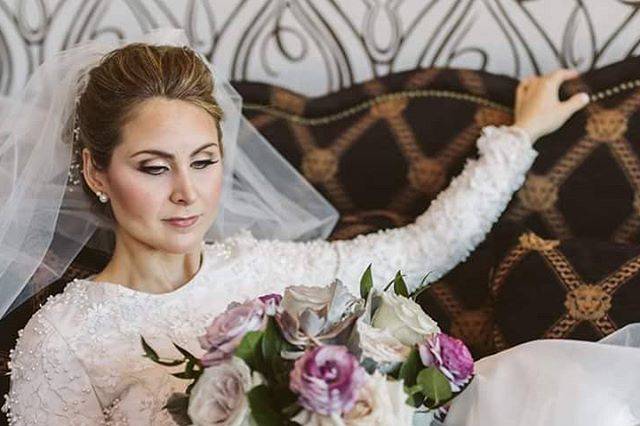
pixel 183 191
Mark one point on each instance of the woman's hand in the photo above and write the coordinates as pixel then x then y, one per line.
pixel 538 110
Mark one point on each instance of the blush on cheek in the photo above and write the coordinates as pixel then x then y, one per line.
pixel 136 197
pixel 211 195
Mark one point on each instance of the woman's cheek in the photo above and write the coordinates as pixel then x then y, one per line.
pixel 136 196
pixel 212 191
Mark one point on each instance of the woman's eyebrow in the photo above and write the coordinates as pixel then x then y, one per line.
pixel 169 155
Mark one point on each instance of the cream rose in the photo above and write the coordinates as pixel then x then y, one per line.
pixel 312 313
pixel 380 345
pixel 381 402
pixel 404 319
pixel 218 398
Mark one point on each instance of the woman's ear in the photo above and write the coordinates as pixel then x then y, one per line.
pixel 95 178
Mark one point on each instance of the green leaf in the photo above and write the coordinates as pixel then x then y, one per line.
pixel 249 348
pixel 389 284
pixel 177 406
pixel 410 368
pixel 411 390
pixel 421 287
pixel 399 286
pixel 187 354
pixel 172 363
pixel 366 283
pixel 148 350
pixel 272 341
pixel 415 399
pixel 184 375
pixel 369 365
pixel 262 408
pixel 193 371
pixel 435 387
pixel 292 409
pixel 153 355
pixel 276 369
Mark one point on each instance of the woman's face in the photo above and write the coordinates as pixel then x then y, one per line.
pixel 168 167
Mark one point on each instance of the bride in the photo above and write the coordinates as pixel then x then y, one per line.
pixel 135 138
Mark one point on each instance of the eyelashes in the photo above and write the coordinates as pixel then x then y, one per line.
pixel 158 170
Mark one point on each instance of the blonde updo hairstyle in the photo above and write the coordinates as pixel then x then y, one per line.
pixel 124 79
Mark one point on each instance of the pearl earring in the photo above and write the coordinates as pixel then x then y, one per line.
pixel 102 197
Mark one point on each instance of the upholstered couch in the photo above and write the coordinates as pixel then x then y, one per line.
pixel 560 263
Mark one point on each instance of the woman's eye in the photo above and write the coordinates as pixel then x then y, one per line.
pixel 158 170
pixel 154 170
pixel 203 163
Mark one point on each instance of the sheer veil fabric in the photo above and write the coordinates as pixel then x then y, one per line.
pixel 45 219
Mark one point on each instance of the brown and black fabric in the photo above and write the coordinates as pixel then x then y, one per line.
pixel 382 150
pixel 571 289
pixel 461 302
pixel 586 181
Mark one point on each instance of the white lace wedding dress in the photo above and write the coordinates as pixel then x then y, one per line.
pixel 79 360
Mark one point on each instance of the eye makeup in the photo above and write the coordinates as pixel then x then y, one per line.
pixel 158 170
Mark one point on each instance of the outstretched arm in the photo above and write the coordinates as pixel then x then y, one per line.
pixel 455 223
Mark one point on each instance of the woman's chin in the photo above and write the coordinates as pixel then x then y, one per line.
pixel 180 247
pixel 179 243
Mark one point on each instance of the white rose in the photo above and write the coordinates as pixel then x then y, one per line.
pixel 381 402
pixel 404 318
pixel 380 345
pixel 218 398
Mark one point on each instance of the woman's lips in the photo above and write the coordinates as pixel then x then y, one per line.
pixel 182 222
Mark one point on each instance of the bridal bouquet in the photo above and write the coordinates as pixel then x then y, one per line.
pixel 321 356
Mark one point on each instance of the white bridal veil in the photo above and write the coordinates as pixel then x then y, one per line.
pixel 45 217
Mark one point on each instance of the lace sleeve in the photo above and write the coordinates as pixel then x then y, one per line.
pixel 48 383
pixel 455 223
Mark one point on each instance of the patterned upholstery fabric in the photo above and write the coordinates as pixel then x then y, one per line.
pixel 571 289
pixel 461 302
pixel 382 150
pixel 586 181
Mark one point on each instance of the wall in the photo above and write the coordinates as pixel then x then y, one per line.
pixel 319 46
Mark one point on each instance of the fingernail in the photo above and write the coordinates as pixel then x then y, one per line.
pixel 584 98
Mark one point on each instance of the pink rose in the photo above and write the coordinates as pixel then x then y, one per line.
pixel 227 330
pixel 450 356
pixel 327 379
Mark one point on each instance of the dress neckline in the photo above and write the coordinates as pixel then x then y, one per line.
pixel 124 290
